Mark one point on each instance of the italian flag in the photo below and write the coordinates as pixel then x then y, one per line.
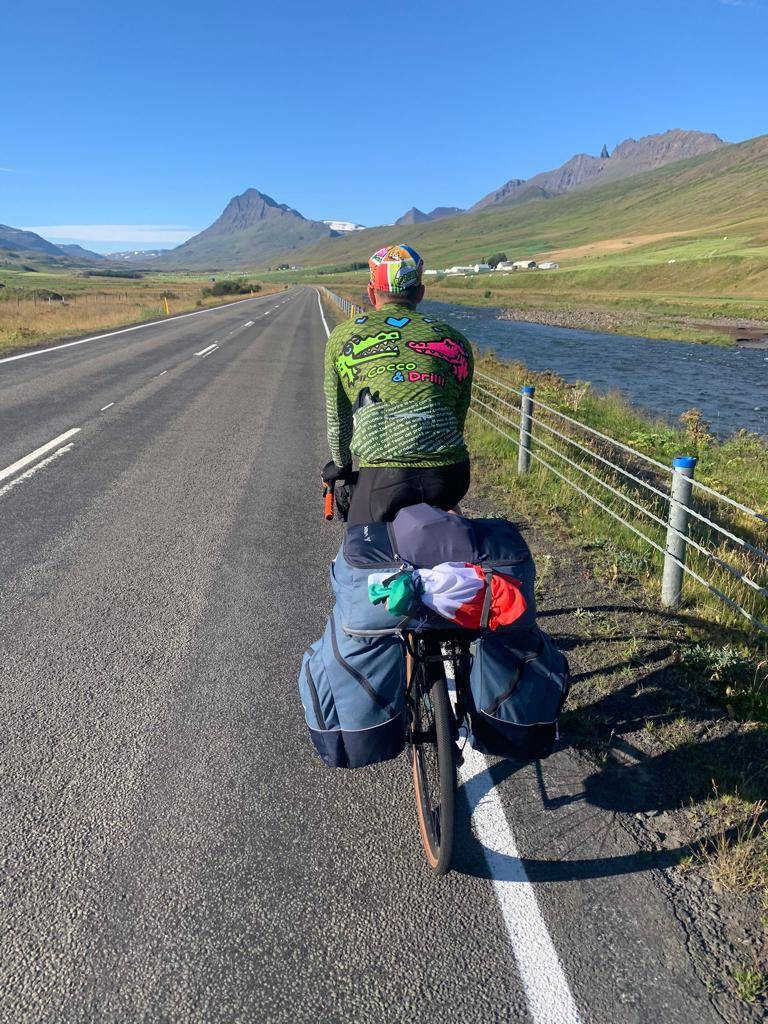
pixel 456 591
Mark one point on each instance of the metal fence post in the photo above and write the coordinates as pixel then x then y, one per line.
pixel 677 530
pixel 526 424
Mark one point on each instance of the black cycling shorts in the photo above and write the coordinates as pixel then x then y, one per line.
pixel 380 493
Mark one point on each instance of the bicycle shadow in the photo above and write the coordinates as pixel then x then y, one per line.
pixel 594 805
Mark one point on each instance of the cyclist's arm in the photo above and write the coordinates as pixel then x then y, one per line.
pixel 465 395
pixel 338 409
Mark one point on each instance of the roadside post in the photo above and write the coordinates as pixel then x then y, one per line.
pixel 526 425
pixel 677 530
pixel 165 300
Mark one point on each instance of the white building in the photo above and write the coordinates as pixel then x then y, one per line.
pixel 460 270
pixel 548 265
pixel 482 268
pixel 524 264
pixel 505 265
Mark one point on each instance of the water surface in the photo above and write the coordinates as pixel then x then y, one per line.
pixel 728 385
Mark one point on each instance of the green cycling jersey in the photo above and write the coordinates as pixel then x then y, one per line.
pixel 397 389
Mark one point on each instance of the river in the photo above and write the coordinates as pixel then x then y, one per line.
pixel 728 385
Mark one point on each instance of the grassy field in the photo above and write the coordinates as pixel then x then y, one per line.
pixel 39 307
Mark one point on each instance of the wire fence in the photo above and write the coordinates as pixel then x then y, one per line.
pixel 348 308
pixel 687 529
pixel 700 533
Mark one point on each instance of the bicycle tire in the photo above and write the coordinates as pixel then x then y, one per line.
pixel 434 776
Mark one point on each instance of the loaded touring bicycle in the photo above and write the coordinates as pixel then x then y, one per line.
pixel 429 600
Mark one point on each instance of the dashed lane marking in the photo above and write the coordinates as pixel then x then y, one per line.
pixel 37 453
pixel 105 407
pixel 207 351
pixel 33 469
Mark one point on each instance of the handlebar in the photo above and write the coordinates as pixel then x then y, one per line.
pixel 328 501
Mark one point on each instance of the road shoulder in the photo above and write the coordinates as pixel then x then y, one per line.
pixel 657 761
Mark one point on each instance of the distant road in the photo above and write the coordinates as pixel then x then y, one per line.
pixel 172 849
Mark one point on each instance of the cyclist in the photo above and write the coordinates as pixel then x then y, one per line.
pixel 397 390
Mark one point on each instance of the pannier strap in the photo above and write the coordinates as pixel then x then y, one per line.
pixel 486 612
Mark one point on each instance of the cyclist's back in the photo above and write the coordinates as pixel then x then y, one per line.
pixel 398 386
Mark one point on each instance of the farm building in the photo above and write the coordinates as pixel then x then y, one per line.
pixel 524 264
pixel 505 265
pixel 548 265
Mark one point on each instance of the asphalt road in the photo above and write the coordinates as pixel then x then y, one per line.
pixel 172 849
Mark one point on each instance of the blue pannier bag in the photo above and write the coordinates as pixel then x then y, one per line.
pixel 352 680
pixel 518 683
pixel 353 692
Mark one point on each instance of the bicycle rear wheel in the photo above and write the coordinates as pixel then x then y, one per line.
pixel 433 762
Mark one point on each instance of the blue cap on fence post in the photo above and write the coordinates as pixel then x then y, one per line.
pixel 528 389
pixel 685 462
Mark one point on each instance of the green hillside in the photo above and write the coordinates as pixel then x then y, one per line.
pixel 705 198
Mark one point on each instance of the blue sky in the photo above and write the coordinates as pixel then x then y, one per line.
pixel 131 125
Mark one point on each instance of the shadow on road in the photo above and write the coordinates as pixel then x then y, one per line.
pixel 638 785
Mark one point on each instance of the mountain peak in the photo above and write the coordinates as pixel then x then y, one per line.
pixel 632 156
pixel 79 253
pixel 247 209
pixel 412 216
pixel 417 216
pixel 19 240
pixel 674 144
pixel 252 227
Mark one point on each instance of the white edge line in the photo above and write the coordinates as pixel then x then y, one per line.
pixel 546 988
pixel 33 469
pixel 123 330
pixel 322 314
pixel 42 450
pixel 105 407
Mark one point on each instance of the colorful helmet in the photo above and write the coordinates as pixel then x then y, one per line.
pixel 395 268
